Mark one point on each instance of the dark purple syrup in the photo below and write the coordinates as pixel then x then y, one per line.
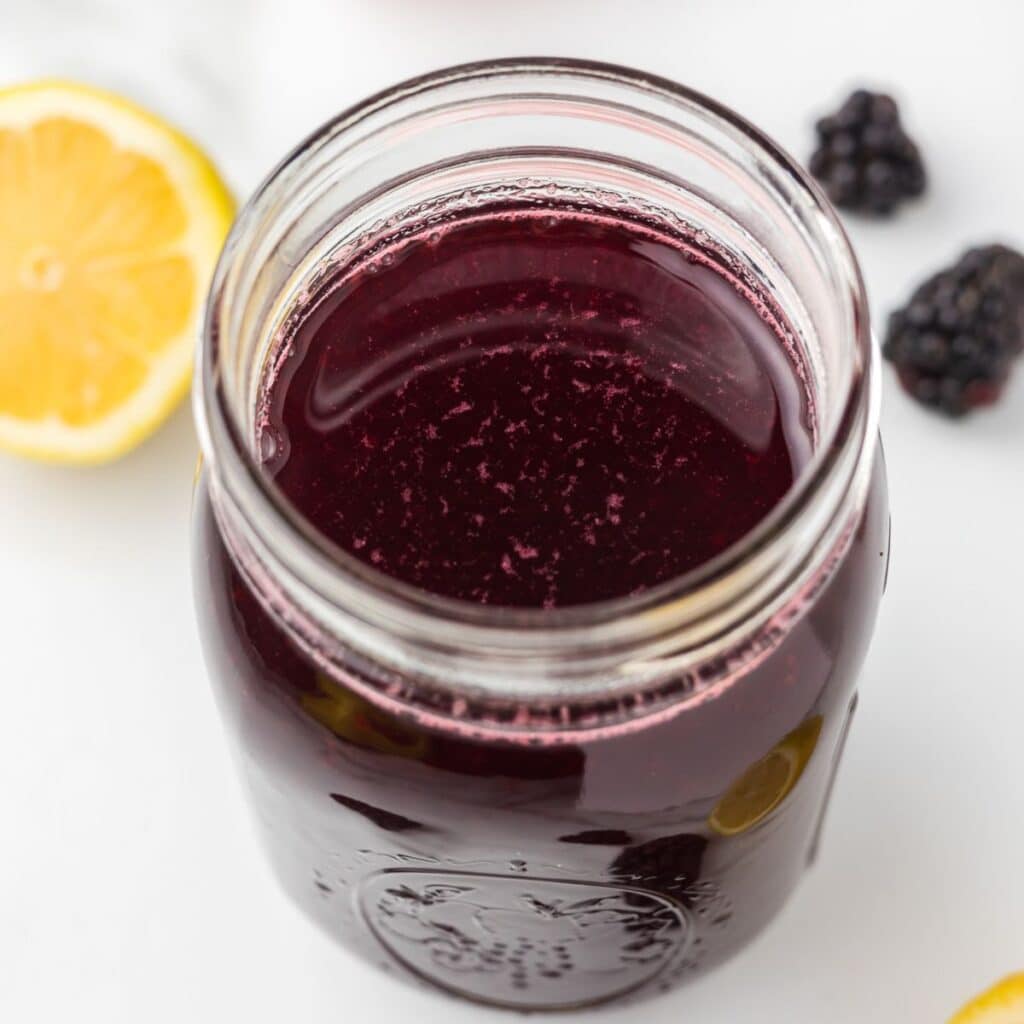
pixel 520 385
pixel 535 407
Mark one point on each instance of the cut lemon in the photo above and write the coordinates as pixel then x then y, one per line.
pixel 1001 1004
pixel 766 783
pixel 110 225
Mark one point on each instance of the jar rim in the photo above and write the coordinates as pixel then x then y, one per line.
pixel 408 608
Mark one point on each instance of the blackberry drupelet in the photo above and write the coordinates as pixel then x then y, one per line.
pixel 865 160
pixel 954 342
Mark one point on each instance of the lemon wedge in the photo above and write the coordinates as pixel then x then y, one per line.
pixel 1001 1004
pixel 110 225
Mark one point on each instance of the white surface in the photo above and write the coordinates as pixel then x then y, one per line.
pixel 130 887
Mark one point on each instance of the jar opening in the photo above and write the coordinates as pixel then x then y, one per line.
pixel 469 136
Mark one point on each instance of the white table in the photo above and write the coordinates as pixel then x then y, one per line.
pixel 130 888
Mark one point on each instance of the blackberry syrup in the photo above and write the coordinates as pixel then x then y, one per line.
pixel 535 408
pixel 538 408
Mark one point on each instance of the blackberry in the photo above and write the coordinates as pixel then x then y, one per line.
pixel 954 342
pixel 865 160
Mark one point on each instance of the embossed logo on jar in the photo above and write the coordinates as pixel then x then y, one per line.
pixel 523 942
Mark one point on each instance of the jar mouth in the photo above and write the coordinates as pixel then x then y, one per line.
pixel 695 596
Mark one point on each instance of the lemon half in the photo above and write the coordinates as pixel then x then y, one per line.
pixel 110 225
pixel 1001 1004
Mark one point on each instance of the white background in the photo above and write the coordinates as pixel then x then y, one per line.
pixel 130 888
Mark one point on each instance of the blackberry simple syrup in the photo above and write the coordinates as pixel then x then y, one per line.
pixel 538 408
pixel 535 407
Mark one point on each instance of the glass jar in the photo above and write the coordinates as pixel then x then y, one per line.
pixel 528 808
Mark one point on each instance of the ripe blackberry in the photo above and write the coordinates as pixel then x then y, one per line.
pixel 865 160
pixel 954 342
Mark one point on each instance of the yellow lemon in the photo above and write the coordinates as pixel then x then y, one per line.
pixel 110 225
pixel 1001 1004
pixel 767 782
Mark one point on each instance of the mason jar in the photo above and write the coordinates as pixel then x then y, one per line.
pixel 540 809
